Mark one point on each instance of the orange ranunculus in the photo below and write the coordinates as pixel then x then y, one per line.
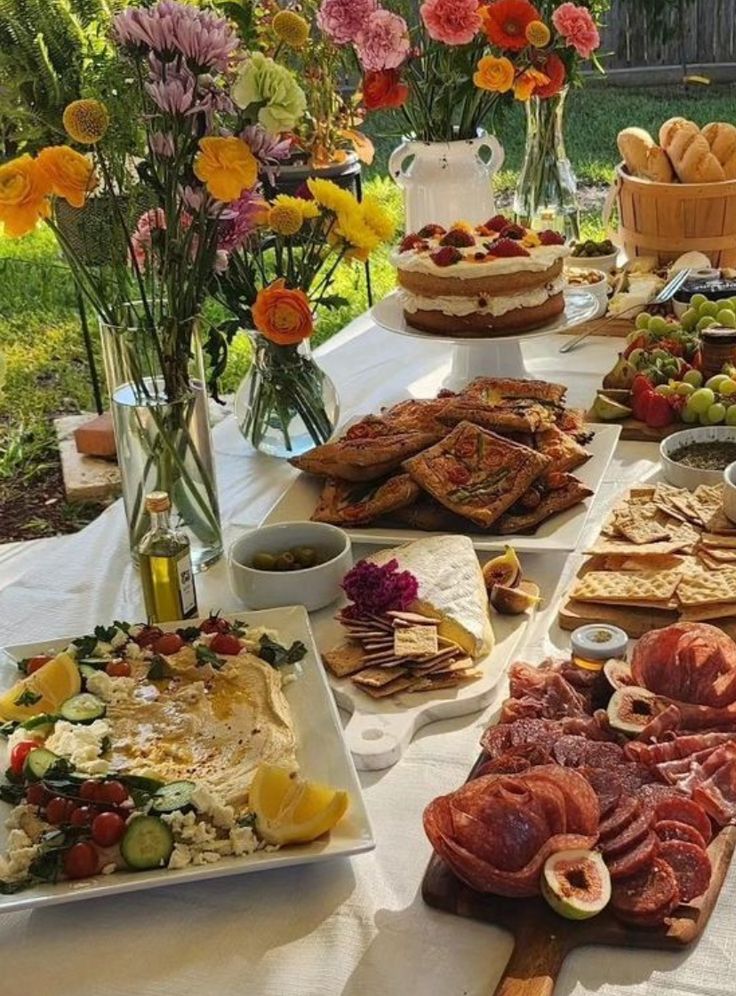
pixel 283 315
pixel 24 192
pixel 504 22
pixel 70 174
pixel 227 167
pixel 554 69
pixel 528 83
pixel 496 75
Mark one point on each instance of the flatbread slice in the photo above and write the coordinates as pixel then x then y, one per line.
pixel 552 503
pixel 346 503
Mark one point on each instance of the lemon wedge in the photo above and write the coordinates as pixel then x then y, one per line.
pixel 43 691
pixel 291 810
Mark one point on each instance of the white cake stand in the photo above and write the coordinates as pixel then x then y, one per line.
pixel 499 356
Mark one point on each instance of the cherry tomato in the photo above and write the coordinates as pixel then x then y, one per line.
pixel 148 636
pixel 19 754
pixel 113 793
pixel 35 663
pixel 81 860
pixel 82 816
pixel 169 643
pixel 118 669
pixel 107 829
pixel 90 790
pixel 59 810
pixel 225 643
pixel 36 794
pixel 214 624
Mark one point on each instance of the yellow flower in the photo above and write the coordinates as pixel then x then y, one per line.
pixel 494 74
pixel 331 197
pixel 24 192
pixel 352 228
pixel 531 240
pixel 528 82
pixel 290 28
pixel 377 219
pixel 287 214
pixel 86 121
pixel 538 34
pixel 226 166
pixel 69 174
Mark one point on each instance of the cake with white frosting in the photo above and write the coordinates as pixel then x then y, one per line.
pixel 489 280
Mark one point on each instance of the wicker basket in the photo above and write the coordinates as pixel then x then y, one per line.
pixel 668 219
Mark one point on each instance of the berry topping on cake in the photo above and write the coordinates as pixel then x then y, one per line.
pixel 458 237
pixel 447 256
pixel 512 231
pixel 550 238
pixel 410 241
pixel 507 249
pixel 497 223
pixel 431 231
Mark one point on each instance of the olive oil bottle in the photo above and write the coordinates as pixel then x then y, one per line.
pixel 166 566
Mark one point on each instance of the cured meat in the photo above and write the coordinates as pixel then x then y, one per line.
pixel 634 860
pixel 606 786
pixel 688 662
pixel 714 787
pixel 501 739
pixel 634 777
pixel 506 764
pixel 626 810
pixel 583 812
pixel 678 771
pixel 678 747
pixel 674 830
pixel 669 719
pixel 691 866
pixel 628 837
pixel 684 811
pixel 595 727
pixel 540 693
pixel 646 898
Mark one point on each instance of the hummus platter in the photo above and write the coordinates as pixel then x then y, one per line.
pixel 139 756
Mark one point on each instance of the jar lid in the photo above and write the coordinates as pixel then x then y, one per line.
pixel 599 642
pixel 718 335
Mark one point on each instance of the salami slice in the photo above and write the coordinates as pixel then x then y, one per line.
pixel 631 834
pixel 674 830
pixel 691 866
pixel 633 861
pixel 602 754
pixel 684 810
pixel 624 813
pixel 646 898
pixel 506 764
pixel 606 786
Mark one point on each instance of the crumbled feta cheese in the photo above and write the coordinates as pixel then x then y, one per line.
pixel 26 818
pixel 82 745
pixel 243 840
pixel 109 868
pixel 181 856
pixel 110 689
pixel 206 858
pixel 20 735
pixel 119 639
pixel 19 856
pixel 198 842
pixel 102 649
pixel 208 804
pixel 133 652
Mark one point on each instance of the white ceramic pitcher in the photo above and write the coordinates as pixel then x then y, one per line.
pixel 445 182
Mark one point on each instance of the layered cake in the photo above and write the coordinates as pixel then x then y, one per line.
pixel 489 280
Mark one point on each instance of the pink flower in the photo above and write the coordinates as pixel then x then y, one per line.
pixel 578 28
pixel 239 220
pixel 342 20
pixel 142 239
pixel 383 41
pixel 454 22
pixel 269 151
pixel 171 29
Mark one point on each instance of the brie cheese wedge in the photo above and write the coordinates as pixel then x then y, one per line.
pixel 451 588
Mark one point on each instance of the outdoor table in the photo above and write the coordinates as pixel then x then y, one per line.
pixel 353 927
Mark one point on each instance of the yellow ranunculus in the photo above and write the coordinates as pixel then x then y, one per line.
pixel 86 121
pixel 538 34
pixel 528 82
pixel 69 174
pixel 494 74
pixel 226 166
pixel 24 192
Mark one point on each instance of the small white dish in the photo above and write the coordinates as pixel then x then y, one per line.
pixel 313 587
pixel 690 477
pixel 599 289
pixel 605 263
pixel 729 492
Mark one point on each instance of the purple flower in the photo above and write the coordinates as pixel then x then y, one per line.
pixel 162 144
pixel 269 151
pixel 239 220
pixel 171 29
pixel 383 41
pixel 176 95
pixel 342 20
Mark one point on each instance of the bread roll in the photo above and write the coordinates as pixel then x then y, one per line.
pixel 722 140
pixel 670 128
pixel 690 153
pixel 643 157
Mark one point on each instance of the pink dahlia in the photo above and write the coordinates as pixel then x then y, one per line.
pixel 454 22
pixel 578 28
pixel 342 20
pixel 383 41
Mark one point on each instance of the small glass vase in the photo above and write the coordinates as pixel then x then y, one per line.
pixel 547 192
pixel 163 438
pixel 286 404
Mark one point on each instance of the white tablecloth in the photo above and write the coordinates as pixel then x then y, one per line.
pixel 358 927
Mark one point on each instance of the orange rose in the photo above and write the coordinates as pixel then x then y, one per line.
pixel 283 315
pixel 69 174
pixel 24 194
pixel 496 75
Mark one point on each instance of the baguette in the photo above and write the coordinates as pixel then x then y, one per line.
pixel 690 152
pixel 722 140
pixel 643 157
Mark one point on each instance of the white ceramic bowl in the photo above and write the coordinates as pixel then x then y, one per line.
pixel 729 492
pixel 599 289
pixel 690 477
pixel 605 263
pixel 313 587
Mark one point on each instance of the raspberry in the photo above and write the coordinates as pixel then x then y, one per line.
pixel 431 231
pixel 459 238
pixel 507 248
pixel 550 238
pixel 497 224
pixel 447 256
pixel 513 231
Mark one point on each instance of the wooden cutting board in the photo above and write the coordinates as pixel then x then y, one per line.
pixel 639 432
pixel 609 327
pixel 542 939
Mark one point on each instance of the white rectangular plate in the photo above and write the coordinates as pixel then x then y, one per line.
pixel 322 756
pixel 561 532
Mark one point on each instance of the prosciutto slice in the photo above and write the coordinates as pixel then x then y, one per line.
pixel 677 747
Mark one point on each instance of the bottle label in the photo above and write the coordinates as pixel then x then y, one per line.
pixel 186 586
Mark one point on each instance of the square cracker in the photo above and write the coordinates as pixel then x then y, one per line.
pixel 347 658
pixel 415 641
pixel 704 613
pixel 397 685
pixel 630 586
pixel 713 587
pixel 720 524
pixel 378 677
pixel 641 529
pixel 721 541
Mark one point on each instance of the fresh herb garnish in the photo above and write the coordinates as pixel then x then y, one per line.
pixel 277 655
pixel 249 820
pixel 189 633
pixel 28 698
pixel 238 628
pixel 12 794
pixel 207 656
pixel 158 668
pixel 105 745
pixel 7 728
pixel 22 664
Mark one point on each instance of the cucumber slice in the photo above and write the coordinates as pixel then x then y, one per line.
pixel 147 843
pixel 96 663
pixel 43 719
pixel 84 708
pixel 38 764
pixel 141 783
pixel 175 795
pixel 87 671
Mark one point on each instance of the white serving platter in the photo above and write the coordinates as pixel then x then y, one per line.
pixel 561 532
pixel 322 756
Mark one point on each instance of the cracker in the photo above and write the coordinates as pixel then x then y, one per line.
pixel 704 613
pixel 433 682
pixel 635 561
pixel 397 685
pixel 416 641
pixel 724 542
pixel 719 523
pixel 715 587
pixel 347 658
pixel 720 556
pixel 411 619
pixel 606 547
pixel 632 586
pixel 377 677
pixel 641 529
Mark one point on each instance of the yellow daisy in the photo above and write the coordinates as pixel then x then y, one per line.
pixel 538 34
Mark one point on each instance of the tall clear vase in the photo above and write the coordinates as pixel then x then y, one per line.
pixel 161 417
pixel 547 192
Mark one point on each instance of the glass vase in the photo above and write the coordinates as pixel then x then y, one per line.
pixel 547 192
pixel 160 412
pixel 286 404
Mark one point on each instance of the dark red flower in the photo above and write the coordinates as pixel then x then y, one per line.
pixel 553 67
pixel 384 89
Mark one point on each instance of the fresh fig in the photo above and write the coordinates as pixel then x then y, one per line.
pixel 504 570
pixel 621 395
pixel 608 410
pixel 515 601
pixel 576 884
pixel 622 375
pixel 631 708
pixel 618 673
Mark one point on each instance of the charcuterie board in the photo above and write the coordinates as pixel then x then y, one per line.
pixel 542 939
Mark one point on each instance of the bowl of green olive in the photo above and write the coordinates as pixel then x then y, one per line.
pixel 289 563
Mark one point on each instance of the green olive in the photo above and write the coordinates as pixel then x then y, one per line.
pixel 285 562
pixel 306 556
pixel 264 562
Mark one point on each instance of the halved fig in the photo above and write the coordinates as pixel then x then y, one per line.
pixel 618 673
pixel 576 884
pixel 504 570
pixel 631 708
pixel 515 601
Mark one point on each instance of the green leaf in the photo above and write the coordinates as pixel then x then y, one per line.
pixel 207 656
pixel 28 698
pixel 158 669
pixel 276 655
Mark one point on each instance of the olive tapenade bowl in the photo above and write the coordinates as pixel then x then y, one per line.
pixel 707 436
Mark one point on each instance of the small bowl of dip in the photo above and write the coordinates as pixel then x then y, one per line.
pixel 698 456
pixel 595 281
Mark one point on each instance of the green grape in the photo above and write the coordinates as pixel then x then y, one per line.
pixel 697 299
pixel 728 387
pixel 716 413
pixel 726 318
pixel 703 419
pixel 635 355
pixel 714 383
pixel 689 416
pixel 731 415
pixel 689 319
pixel 705 323
pixel 693 377
pixel 684 388
pixel 701 400
pixel 658 325
pixel 665 390
pixel 709 308
pixel 642 321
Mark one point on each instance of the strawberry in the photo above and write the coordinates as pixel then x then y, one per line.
pixel 641 383
pixel 507 248
pixel 640 403
pixel 446 256
pixel 658 412
pixel 497 223
pixel 431 231
pixel 410 241
pixel 550 238
pixel 459 238
pixel 512 231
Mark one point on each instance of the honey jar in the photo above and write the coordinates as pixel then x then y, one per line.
pixel 719 347
pixel 596 643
